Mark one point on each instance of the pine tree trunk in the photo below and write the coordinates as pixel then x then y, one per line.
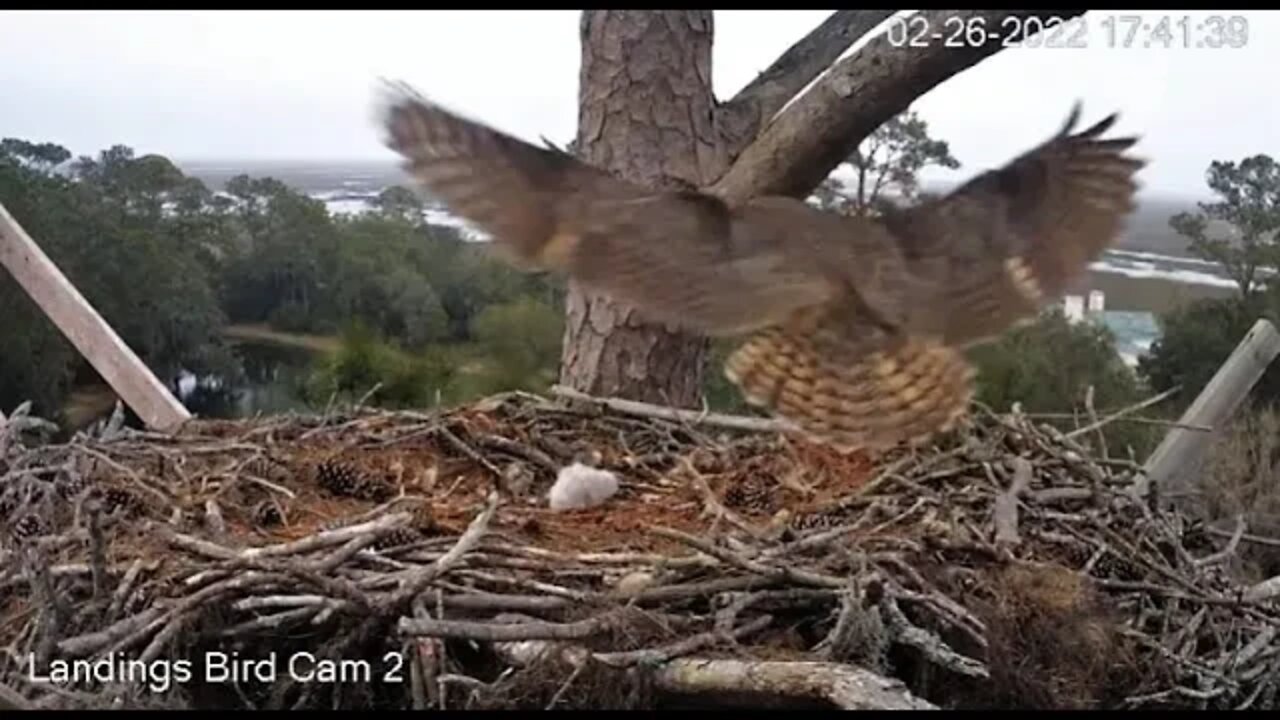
pixel 646 112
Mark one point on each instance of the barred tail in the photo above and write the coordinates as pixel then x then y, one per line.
pixel 872 401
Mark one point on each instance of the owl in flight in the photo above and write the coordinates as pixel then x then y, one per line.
pixel 854 327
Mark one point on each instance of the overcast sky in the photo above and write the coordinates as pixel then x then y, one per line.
pixel 299 85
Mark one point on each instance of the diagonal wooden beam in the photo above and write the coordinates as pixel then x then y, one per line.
pixel 92 337
pixel 1175 465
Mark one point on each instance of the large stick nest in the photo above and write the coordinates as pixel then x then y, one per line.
pixel 1004 568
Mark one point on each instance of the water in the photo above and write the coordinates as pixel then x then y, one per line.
pixel 272 384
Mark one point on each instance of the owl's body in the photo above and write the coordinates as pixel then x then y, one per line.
pixel 854 326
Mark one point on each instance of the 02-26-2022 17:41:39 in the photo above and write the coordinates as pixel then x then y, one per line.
pixel 1032 31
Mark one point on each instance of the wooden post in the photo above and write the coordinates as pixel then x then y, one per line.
pixel 1178 459
pixel 62 303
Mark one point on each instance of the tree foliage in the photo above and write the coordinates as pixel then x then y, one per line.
pixel 1238 231
pixel 135 236
pixel 169 263
pixel 887 163
pixel 1048 366
pixel 1197 338
pixel 368 368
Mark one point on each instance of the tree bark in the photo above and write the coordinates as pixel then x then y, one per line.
pixel 647 114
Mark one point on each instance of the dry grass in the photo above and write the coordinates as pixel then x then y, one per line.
pixel 1052 641
pixel 1242 478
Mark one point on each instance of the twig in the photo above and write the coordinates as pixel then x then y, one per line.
pixel 273 623
pixel 1093 420
pixel 1122 412
pixel 641 409
pixel 422 578
pixel 121 595
pixel 214 524
pixel 1155 422
pixel 929 644
pixel 654 656
pixel 846 686
pixel 97 547
pixel 87 644
pixel 54 611
pixel 1264 590
pixel 1226 552
pixel 471 453
pixel 1006 504
pixel 780 573
pixel 492 632
pixel 1246 537
pixel 510 447
pixel 273 487
pixel 11 699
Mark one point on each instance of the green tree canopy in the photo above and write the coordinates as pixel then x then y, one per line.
pixel 888 161
pixel 1238 231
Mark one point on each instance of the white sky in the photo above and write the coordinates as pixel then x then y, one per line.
pixel 300 84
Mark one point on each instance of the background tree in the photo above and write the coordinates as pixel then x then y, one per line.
pixel 1247 218
pixel 140 241
pixel 1197 338
pixel 170 264
pixel 1238 232
pixel 648 113
pixel 1048 366
pixel 889 161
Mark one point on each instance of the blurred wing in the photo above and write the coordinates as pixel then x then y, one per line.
pixel 1012 239
pixel 673 255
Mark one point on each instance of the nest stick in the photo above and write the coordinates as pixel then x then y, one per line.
pixel 121 594
pixel 659 412
pixel 97 548
pixel 1006 504
pixel 502 632
pixel 727 556
pixel 420 579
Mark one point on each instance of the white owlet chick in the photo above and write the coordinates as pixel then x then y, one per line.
pixel 580 486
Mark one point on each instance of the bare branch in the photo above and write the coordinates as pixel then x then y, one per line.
pixel 1264 590
pixel 11 699
pixel 642 409
pixel 770 91
pixel 825 124
pixel 1005 509
pixel 848 687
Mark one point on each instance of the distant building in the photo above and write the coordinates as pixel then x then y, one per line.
pixel 1097 301
pixel 1073 308
pixel 1134 331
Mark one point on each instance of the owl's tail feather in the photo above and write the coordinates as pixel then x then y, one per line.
pixel 871 401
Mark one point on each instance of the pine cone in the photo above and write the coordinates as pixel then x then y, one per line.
pixel 345 480
pixel 424 519
pixel 338 478
pixel 397 538
pixel 753 496
pixel 114 499
pixel 69 486
pixel 28 526
pixel 823 519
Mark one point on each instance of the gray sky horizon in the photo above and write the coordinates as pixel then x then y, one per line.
pixel 299 86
